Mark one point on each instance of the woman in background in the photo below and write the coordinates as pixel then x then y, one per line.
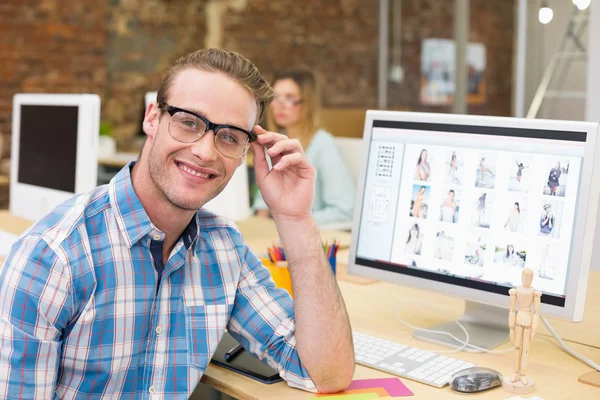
pixel 295 112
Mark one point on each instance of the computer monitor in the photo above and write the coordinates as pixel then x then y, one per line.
pixel 54 150
pixel 460 204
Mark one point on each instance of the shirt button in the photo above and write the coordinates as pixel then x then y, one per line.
pixel 158 330
pixel 152 389
pixel 156 237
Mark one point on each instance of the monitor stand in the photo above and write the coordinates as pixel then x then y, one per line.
pixel 487 327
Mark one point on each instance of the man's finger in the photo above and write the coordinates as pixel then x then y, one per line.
pixel 266 137
pixel 298 163
pixel 261 167
pixel 285 147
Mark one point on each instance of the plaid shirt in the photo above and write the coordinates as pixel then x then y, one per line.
pixel 87 310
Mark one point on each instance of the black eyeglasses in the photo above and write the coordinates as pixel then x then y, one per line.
pixel 188 127
pixel 288 100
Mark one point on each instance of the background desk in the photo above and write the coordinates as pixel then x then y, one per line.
pixel 373 310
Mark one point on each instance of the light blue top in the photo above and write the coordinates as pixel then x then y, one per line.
pixel 335 189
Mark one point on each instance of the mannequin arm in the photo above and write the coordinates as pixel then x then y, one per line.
pixel 512 316
pixel 537 300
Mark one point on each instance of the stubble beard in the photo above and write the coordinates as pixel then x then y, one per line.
pixel 159 175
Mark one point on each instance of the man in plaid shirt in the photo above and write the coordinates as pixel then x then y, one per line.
pixel 125 291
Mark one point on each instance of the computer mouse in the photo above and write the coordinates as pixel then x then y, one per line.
pixel 475 379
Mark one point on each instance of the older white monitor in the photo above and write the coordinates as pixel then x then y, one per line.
pixel 54 150
pixel 461 204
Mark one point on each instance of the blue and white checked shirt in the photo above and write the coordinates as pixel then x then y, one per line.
pixel 85 312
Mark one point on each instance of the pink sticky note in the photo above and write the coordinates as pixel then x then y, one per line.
pixel 393 386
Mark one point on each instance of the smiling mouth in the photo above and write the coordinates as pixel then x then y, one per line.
pixel 192 172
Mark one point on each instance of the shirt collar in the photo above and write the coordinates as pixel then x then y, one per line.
pixel 132 219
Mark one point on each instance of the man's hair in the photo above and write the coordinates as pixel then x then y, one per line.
pixel 231 64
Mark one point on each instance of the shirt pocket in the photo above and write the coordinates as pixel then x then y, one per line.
pixel 205 325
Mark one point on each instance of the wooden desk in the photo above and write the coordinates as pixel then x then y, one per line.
pixel 261 233
pixel 373 310
pixel 4 181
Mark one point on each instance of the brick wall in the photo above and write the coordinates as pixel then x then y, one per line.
pixel 50 46
pixel 120 48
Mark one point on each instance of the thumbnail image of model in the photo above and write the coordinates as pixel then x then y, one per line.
pixel 475 251
pixel 423 169
pixel 548 262
pixel 519 176
pixel 508 256
pixel 454 167
pixel 418 204
pixel 486 172
pixel 557 180
pixel 414 240
pixel 444 246
pixel 550 219
pixel 513 222
pixel 450 208
pixel 483 205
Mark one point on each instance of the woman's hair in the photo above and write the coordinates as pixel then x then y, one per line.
pixel 421 156
pixel 310 93
pixel 451 191
pixel 416 227
pixel 518 207
pixel 231 64
pixel 510 246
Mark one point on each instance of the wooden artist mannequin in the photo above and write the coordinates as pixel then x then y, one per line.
pixel 523 323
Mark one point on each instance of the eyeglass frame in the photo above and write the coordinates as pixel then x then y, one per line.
pixel 287 99
pixel 171 110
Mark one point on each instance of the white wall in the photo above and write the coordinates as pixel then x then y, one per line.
pixel 593 99
pixel 542 42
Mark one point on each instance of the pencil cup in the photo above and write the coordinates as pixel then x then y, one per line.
pixel 280 274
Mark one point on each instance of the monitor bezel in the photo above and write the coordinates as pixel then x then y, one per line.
pixel 33 202
pixel 584 223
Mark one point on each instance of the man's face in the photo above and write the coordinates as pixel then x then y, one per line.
pixel 190 174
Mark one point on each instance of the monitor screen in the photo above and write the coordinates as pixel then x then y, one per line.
pixel 471 206
pixel 44 128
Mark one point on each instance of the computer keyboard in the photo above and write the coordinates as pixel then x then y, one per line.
pixel 408 362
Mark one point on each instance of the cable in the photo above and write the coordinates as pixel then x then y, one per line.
pixel 567 349
pixel 464 343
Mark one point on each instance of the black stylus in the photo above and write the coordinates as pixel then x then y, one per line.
pixel 230 355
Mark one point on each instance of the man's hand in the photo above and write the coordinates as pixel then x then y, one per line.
pixel 289 188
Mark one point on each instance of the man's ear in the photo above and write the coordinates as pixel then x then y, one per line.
pixel 151 120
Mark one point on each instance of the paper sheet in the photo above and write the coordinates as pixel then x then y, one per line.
pixel 392 386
